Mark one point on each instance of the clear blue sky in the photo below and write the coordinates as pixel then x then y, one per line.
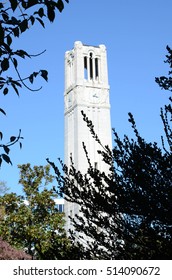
pixel 135 33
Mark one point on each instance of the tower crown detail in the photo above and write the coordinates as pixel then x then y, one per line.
pixel 86 65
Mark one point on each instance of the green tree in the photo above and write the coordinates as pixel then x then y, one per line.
pixel 16 17
pixel 3 190
pixel 127 214
pixel 32 221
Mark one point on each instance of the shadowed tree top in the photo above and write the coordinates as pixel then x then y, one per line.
pixel 127 213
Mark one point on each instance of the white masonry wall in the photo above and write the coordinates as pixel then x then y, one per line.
pixel 87 89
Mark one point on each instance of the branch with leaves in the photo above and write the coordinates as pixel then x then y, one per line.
pixel 113 216
pixel 6 147
pixel 165 82
pixel 16 17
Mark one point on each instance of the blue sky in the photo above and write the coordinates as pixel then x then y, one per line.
pixel 135 33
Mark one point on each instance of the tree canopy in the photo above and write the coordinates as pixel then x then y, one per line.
pixel 32 221
pixel 125 214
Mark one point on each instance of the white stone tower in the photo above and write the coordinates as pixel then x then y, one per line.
pixel 87 89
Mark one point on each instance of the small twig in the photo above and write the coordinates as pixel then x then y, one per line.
pixel 22 80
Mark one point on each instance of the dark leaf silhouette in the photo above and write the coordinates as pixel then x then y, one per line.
pixel 2 111
pixel 44 74
pixel 14 4
pixel 6 149
pixel 12 138
pixel 5 64
pixel 60 5
pixel 23 25
pixel 6 158
pixel 51 13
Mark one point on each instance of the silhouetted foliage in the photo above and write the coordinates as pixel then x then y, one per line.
pixel 163 81
pixel 16 17
pixel 166 113
pixel 4 156
pixel 126 214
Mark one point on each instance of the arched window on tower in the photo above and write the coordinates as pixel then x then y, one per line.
pixel 96 68
pixel 85 68
pixel 91 66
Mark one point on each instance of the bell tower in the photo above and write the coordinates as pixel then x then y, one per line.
pixel 87 89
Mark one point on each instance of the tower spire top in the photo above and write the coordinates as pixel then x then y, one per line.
pixel 86 65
